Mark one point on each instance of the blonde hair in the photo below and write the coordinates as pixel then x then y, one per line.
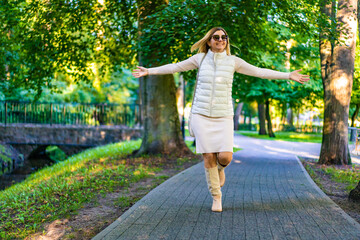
pixel 202 45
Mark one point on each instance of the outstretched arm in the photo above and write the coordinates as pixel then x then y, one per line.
pixel 297 77
pixel 140 72
pixel 245 68
pixel 186 65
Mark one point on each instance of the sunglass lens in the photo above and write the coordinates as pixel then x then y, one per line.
pixel 224 37
pixel 216 37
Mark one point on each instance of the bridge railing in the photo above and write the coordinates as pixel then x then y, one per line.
pixel 69 113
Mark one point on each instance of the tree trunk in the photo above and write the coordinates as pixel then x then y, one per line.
pixel 237 115
pixel 161 123
pixel 283 115
pixel 250 122
pixel 355 114
pixel 290 117
pixel 180 103
pixel 337 66
pixel 262 119
pixel 298 120
pixel 268 118
pixel 355 193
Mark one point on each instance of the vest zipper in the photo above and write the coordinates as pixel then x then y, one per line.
pixel 213 88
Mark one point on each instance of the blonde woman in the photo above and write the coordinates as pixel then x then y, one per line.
pixel 212 119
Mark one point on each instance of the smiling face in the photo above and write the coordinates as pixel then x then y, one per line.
pixel 217 45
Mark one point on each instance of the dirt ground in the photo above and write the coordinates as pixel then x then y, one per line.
pixel 102 211
pixel 336 191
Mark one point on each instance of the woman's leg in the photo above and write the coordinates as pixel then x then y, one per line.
pixel 209 160
pixel 213 181
pixel 223 160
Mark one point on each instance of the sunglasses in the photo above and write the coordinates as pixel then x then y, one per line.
pixel 217 37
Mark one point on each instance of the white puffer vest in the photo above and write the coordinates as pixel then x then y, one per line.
pixel 213 96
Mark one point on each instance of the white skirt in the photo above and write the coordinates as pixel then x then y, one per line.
pixel 213 134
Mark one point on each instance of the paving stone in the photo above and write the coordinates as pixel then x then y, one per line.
pixel 267 195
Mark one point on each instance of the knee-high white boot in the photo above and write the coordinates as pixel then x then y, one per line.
pixel 221 171
pixel 212 178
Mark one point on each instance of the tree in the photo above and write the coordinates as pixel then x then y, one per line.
pixel 355 93
pixel 337 66
pixel 268 119
pixel 76 38
pixel 355 193
pixel 262 117
pixel 237 113
pixel 158 93
pixel 91 37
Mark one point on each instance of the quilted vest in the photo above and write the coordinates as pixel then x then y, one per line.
pixel 213 96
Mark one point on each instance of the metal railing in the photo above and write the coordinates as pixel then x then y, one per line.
pixel 92 114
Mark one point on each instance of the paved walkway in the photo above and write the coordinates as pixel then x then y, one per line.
pixel 267 195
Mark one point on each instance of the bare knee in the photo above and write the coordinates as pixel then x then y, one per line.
pixel 225 158
pixel 209 160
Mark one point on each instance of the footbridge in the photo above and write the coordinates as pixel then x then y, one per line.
pixel 27 138
pixel 30 126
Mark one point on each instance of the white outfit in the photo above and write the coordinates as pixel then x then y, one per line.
pixel 213 134
pixel 212 110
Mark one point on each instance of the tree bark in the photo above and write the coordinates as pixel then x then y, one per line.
pixel 250 121
pixel 262 119
pixel 290 117
pixel 268 118
pixel 237 115
pixel 337 67
pixel 161 134
pixel 355 193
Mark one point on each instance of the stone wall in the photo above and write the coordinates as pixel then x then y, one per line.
pixel 63 134
pixel 10 159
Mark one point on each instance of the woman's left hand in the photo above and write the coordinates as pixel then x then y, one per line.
pixel 297 77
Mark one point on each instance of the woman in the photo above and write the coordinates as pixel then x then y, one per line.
pixel 212 119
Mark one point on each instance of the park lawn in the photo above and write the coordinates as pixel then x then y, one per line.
pixel 193 148
pixel 348 176
pixel 286 136
pixel 61 190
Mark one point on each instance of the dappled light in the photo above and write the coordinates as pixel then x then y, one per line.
pixel 175 110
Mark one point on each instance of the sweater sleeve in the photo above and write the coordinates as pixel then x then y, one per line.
pixel 186 65
pixel 245 68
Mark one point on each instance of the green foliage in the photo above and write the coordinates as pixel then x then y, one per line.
pixel 258 31
pixel 55 153
pixel 355 93
pixel 286 136
pixel 349 176
pixel 119 87
pixel 83 39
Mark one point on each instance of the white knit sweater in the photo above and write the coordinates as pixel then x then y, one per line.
pixel 214 88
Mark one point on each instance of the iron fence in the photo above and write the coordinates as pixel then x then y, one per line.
pixel 92 114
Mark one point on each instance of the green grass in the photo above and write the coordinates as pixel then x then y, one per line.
pixel 349 176
pixel 190 146
pixel 193 148
pixel 60 190
pixel 235 149
pixel 286 136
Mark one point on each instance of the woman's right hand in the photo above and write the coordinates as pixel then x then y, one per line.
pixel 140 72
